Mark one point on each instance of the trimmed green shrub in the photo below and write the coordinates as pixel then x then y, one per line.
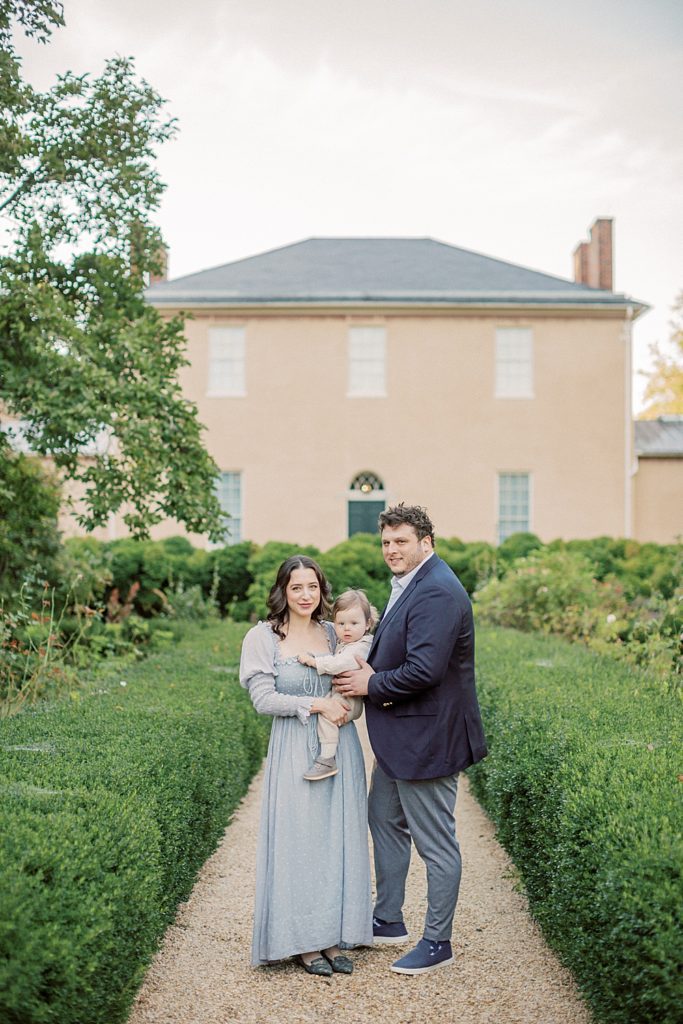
pixel 552 592
pixel 109 804
pixel 582 782
pixel 357 564
pixel 641 569
pixel 29 536
pixel 473 563
pixel 518 545
pixel 68 866
pixel 606 554
pixel 229 566
pixel 555 590
pixel 185 565
pixel 178 546
pixel 160 568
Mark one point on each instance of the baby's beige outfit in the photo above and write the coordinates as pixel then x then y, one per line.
pixel 344 660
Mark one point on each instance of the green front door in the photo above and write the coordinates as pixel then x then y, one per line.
pixel 363 516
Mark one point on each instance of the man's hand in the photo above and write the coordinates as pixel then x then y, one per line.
pixel 354 684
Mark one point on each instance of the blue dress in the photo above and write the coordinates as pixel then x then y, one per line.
pixel 312 868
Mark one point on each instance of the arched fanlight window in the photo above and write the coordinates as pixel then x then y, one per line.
pixel 366 482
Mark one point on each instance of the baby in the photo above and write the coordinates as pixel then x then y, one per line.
pixel 353 617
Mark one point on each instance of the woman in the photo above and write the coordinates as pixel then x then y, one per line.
pixel 312 868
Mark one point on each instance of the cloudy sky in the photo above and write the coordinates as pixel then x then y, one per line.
pixel 503 128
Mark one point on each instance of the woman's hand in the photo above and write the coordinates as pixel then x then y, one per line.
pixel 335 711
pixel 307 659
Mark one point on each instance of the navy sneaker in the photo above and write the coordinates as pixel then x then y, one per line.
pixel 427 956
pixel 388 933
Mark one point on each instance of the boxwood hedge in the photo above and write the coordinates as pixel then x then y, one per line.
pixel 583 781
pixel 109 803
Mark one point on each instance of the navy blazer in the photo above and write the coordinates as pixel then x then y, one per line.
pixel 422 712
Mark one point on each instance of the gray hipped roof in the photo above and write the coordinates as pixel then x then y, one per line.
pixel 345 271
pixel 659 439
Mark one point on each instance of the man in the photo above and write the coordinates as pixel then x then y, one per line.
pixel 424 726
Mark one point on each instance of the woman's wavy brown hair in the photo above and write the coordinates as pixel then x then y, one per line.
pixel 278 612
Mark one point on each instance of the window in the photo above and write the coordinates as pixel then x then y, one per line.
pixel 226 362
pixel 514 362
pixel 513 504
pixel 366 501
pixel 366 362
pixel 16 434
pixel 366 482
pixel 19 432
pixel 229 492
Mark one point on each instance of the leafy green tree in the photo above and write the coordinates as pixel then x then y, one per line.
pixel 664 389
pixel 85 364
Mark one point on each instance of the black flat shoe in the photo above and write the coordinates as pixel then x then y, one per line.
pixel 340 964
pixel 320 966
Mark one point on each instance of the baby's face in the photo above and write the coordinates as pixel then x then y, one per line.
pixel 350 625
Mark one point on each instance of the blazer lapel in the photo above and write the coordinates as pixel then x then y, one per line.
pixel 431 562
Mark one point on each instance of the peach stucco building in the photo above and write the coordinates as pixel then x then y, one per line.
pixel 336 375
pixel 658 490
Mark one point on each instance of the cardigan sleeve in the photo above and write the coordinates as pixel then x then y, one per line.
pixel 258 673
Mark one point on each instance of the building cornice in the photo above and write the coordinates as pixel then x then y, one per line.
pixel 617 309
pixel 659 455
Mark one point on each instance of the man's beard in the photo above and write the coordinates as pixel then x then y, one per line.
pixel 410 565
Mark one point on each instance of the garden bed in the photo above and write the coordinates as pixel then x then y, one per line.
pixel 111 800
pixel 583 782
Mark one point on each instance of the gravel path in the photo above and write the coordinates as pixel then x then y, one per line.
pixel 503 974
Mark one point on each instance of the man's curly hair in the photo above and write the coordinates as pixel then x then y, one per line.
pixel 413 515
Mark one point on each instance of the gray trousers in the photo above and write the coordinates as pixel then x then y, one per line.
pixel 424 810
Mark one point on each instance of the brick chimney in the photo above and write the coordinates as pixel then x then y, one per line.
pixel 593 259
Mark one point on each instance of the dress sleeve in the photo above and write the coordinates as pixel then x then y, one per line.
pixel 257 675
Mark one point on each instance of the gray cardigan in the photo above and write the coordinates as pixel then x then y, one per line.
pixel 258 670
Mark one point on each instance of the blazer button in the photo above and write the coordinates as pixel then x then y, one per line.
pixel 388 704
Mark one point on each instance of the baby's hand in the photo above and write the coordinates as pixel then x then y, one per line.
pixel 307 659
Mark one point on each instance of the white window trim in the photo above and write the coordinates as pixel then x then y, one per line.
pixel 532 364
pixel 366 394
pixel 227 392
pixel 530 518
